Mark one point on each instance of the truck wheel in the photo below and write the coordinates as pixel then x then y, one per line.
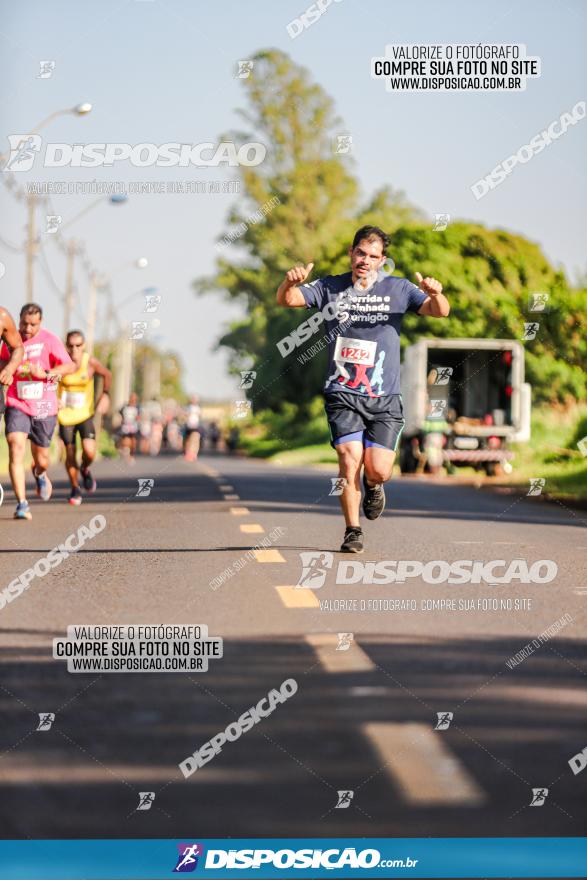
pixel 407 460
pixel 494 469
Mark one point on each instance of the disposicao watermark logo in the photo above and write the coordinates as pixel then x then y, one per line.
pixel 54 557
pixel 46 720
pixel 543 139
pixel 24 149
pixel 312 14
pixel 332 310
pixel 235 730
pixel 329 859
pixel 539 796
pixel 316 564
pixel 187 860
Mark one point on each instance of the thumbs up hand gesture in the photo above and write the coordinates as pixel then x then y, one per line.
pixel 298 275
pixel 430 286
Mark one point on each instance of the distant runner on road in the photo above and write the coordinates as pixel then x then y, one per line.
pixel 191 429
pixel 362 390
pixel 129 428
pixel 76 412
pixel 31 404
pixel 151 413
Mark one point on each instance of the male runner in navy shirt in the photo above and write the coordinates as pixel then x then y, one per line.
pixel 363 311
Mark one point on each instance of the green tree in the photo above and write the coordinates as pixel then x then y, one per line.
pixel 300 205
pixel 303 205
pixel 489 277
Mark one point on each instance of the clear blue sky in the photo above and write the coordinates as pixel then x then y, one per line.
pixel 164 72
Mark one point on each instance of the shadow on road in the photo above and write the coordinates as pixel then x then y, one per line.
pixel 117 734
pixel 268 490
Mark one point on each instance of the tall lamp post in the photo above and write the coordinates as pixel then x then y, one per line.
pixel 32 244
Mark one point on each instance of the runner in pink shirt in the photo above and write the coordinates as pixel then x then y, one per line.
pixel 10 336
pixel 31 404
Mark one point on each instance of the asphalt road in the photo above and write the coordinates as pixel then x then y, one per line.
pixel 362 719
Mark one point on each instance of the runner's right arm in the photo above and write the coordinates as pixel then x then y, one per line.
pixel 13 342
pixel 288 292
pixel 60 363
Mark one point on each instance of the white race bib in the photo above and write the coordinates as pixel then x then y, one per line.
pixel 75 399
pixel 29 390
pixel 355 351
pixel 193 419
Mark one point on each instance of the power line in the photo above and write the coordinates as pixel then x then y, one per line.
pixel 12 247
pixel 46 268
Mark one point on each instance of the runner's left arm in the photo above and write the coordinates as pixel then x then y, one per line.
pixel 12 350
pixel 103 371
pixel 288 292
pixel 436 304
pixel 102 404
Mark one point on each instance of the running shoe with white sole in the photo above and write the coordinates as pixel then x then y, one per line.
pixel 22 511
pixel 76 496
pixel 373 500
pixel 44 486
pixel 353 540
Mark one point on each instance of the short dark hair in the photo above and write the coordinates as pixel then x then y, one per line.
pixel 369 232
pixel 31 309
pixel 75 333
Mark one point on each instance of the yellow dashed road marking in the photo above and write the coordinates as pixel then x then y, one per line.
pixel 240 511
pixel 555 696
pixel 268 556
pixel 226 487
pixel 251 528
pixel 354 659
pixel 418 760
pixel 232 497
pixel 296 598
pixel 209 472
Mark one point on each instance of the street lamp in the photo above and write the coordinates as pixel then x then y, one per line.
pixel 79 110
pixel 116 199
pixel 31 245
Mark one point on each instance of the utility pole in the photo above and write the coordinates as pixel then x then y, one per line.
pixel 122 370
pixel 92 308
pixel 31 245
pixel 68 305
pixel 151 377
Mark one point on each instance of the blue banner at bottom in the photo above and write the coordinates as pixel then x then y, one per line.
pixel 529 857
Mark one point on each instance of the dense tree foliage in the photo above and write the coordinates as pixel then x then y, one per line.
pixel 302 204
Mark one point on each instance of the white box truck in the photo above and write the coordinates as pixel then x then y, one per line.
pixel 465 401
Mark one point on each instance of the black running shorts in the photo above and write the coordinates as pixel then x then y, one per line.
pixel 85 429
pixel 375 421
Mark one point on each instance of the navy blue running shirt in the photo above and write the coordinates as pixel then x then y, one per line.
pixel 363 330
